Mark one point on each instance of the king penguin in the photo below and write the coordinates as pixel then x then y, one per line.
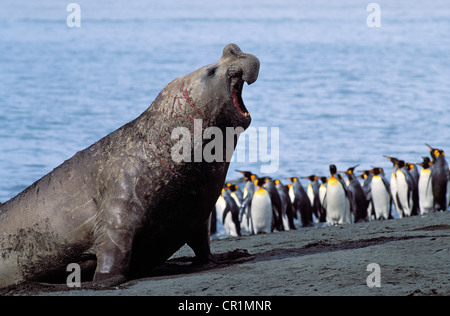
pixel 381 195
pixel 313 194
pixel 287 210
pixel 336 200
pixel 244 212
pixel 228 212
pixel 358 198
pixel 249 186
pixel 439 179
pixel 235 193
pixel 270 186
pixel 412 169
pixel 261 213
pixel 426 201
pixel 301 202
pixel 367 176
pixel 322 194
pixel 393 185
pixel 405 188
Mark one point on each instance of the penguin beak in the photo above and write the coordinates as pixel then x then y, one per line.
pixel 429 147
pixel 351 169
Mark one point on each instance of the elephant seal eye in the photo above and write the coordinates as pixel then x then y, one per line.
pixel 211 71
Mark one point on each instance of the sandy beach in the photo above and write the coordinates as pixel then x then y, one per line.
pixel 413 255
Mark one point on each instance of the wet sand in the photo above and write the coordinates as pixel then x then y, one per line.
pixel 413 255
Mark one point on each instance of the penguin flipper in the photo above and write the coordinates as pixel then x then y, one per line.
pixel 235 218
pixel 390 209
pixel 225 212
pixel 290 214
pixel 387 186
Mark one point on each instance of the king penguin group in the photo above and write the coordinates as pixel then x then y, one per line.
pixel 265 205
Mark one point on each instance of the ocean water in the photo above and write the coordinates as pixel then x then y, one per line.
pixel 337 90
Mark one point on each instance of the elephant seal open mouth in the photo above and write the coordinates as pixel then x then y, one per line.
pixel 237 79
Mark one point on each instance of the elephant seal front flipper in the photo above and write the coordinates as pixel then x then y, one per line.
pixel 125 200
pixel 200 244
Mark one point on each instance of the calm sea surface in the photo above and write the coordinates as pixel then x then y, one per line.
pixel 339 91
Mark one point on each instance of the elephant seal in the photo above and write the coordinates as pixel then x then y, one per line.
pixel 123 205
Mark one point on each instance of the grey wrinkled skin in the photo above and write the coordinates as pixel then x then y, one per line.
pixel 123 206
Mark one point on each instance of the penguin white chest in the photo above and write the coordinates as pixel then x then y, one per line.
pixel 261 212
pixel 337 203
pixel 322 193
pixel 220 208
pixel 291 194
pixel 381 198
pixel 221 204
pixel 426 201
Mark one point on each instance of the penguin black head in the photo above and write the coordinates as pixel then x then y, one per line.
pixel 247 174
pixel 333 169
pixel 293 179
pixel 259 182
pixel 376 171
pixel 324 179
pixel 435 153
pixel 392 159
pixel 351 170
pixel 425 164
pixel 311 177
pixel 365 173
pixel 401 163
pixel 231 187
